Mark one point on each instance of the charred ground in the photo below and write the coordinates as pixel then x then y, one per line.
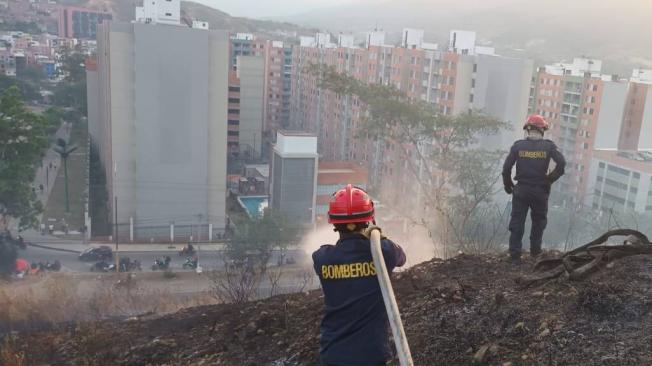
pixel 464 311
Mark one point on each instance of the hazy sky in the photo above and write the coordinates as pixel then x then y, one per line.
pixel 270 8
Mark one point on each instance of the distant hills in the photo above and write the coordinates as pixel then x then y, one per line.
pixel 124 10
pixel 617 31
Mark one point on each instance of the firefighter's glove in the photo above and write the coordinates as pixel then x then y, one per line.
pixel 551 178
pixel 370 228
pixel 509 189
pixel 508 184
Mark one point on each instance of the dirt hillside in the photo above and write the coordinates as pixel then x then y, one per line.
pixel 464 311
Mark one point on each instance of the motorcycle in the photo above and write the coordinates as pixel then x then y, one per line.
pixel 187 251
pixel 161 264
pixel 55 267
pixel 47 266
pixel 127 265
pixel 20 242
pixel 191 263
pixel 103 266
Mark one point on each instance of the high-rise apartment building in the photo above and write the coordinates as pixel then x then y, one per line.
pixel 79 22
pixel 159 122
pixel 589 110
pixel 245 44
pixel 278 78
pixel 277 60
pixel 456 80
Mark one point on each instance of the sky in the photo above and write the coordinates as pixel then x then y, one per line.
pixel 276 8
pixel 270 8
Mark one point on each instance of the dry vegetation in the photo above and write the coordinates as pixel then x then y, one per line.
pixel 468 310
pixel 40 303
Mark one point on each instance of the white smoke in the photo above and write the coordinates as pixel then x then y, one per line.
pixel 414 239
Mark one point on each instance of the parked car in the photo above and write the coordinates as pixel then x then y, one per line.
pixel 96 254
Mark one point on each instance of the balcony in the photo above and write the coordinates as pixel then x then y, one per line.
pixel 572 98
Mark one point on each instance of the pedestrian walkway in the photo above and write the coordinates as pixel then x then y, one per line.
pixel 46 173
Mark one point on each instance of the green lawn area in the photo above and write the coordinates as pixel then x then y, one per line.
pixel 56 206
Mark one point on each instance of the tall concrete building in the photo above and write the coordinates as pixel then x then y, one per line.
pixel 293 186
pixel 159 121
pixel 500 88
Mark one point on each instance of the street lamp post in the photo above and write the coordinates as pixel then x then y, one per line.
pixel 64 150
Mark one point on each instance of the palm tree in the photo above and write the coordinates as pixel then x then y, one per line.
pixel 64 150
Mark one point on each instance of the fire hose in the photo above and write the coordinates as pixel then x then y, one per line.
pixel 402 346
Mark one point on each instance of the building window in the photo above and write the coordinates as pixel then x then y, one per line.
pixel 595 87
pixel 234 100
pixel 234 122
pixel 168 14
pixel 615 169
pixel 234 133
pixel 234 111
pixel 234 88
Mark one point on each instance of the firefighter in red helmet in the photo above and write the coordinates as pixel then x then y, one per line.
pixel 354 330
pixel 532 157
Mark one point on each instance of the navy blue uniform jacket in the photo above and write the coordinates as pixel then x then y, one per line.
pixel 354 330
pixel 532 158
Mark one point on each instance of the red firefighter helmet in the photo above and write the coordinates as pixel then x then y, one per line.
pixel 536 122
pixel 350 205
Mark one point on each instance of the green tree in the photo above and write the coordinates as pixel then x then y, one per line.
pixel 72 98
pixel 53 117
pixel 457 177
pixel 22 140
pixel 257 238
pixel 73 66
pixel 29 91
pixel 247 258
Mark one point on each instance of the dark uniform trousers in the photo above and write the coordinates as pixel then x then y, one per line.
pixel 528 197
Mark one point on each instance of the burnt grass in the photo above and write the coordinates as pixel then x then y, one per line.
pixel 464 311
